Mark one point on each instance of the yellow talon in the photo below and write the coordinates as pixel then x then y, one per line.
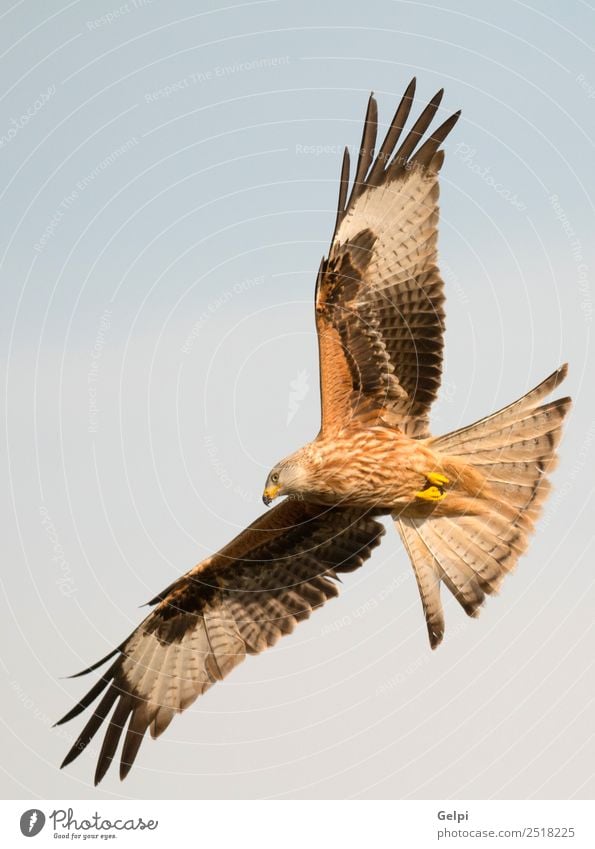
pixel 432 493
pixel 435 491
pixel 437 479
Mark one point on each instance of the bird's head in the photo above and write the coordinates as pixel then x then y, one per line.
pixel 288 477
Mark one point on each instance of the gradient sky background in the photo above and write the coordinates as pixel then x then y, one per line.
pixel 164 217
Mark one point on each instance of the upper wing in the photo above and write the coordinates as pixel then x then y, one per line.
pixel 379 295
pixel 238 602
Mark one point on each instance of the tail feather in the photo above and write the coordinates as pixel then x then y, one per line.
pixel 547 419
pixel 513 450
pixel 428 575
pixel 523 450
pixel 512 413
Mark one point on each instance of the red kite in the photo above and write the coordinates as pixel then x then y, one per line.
pixel 464 503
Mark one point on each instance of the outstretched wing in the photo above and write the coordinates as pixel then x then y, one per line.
pixel 238 602
pixel 379 294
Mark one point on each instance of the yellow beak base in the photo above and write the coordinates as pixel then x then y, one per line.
pixel 270 493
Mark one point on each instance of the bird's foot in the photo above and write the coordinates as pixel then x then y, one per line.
pixel 434 491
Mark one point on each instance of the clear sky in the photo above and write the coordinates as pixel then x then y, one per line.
pixel 169 175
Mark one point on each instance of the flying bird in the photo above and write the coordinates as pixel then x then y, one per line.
pixel 464 503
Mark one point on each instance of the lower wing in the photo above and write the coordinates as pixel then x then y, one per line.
pixel 239 601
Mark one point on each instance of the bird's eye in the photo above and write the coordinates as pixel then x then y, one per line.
pixel 275 477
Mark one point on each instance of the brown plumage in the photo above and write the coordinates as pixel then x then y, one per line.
pixel 464 503
pixel 239 601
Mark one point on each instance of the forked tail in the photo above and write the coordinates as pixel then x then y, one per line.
pixel 514 449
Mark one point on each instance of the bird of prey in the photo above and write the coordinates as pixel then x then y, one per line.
pixel 464 503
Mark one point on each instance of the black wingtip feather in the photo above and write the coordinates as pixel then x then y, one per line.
pixel 112 737
pixel 92 726
pixel 429 148
pixel 98 663
pixel 389 163
pixel 343 189
pixel 417 131
pixel 134 737
pixel 367 147
pixel 393 134
pixel 84 703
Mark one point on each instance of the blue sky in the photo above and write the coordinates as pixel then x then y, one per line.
pixel 169 179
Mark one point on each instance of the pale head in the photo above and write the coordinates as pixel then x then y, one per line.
pixel 288 477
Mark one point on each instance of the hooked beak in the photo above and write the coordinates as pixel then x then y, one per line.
pixel 270 493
